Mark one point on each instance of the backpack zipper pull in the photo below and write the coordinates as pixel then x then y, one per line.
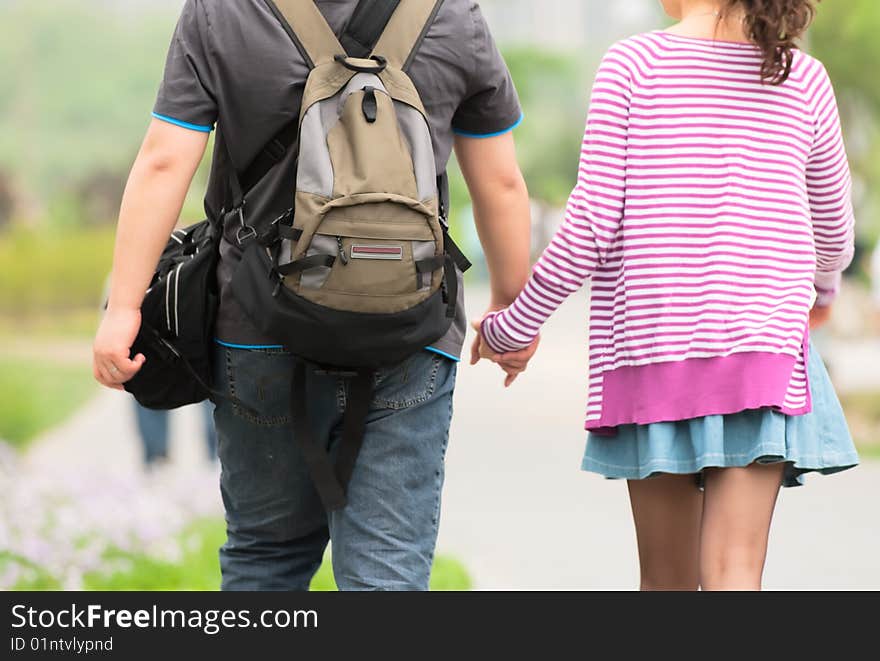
pixel 370 106
pixel 342 255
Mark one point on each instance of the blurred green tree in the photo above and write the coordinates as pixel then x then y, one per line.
pixel 76 89
pixel 554 89
pixel 845 38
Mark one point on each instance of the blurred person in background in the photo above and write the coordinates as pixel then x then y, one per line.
pixel 153 431
pixel 713 213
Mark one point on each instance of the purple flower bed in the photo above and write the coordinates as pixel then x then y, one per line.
pixel 58 525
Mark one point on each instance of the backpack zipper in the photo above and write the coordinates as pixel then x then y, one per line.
pixel 342 256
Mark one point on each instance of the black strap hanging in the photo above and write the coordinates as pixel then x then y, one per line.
pixel 331 482
pixel 354 425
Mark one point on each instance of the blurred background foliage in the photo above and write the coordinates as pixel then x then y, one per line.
pixel 845 38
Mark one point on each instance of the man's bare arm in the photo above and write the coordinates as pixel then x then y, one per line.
pixel 151 205
pixel 503 217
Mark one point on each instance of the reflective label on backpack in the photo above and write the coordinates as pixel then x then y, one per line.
pixel 377 252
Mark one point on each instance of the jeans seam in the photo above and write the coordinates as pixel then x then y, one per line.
pixel 438 478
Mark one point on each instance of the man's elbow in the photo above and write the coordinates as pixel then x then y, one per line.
pixel 159 161
pixel 508 182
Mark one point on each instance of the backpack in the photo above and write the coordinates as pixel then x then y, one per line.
pixel 360 273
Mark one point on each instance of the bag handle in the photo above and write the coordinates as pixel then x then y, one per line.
pixel 308 28
pixel 406 30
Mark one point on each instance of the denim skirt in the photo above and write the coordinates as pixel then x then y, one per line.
pixel 816 442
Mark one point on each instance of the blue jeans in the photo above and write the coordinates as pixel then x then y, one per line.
pixel 277 529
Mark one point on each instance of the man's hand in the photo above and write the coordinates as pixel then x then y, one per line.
pixel 479 348
pixel 111 363
pixel 516 363
pixel 513 364
pixel 819 316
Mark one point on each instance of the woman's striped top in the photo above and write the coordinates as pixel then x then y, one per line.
pixel 708 207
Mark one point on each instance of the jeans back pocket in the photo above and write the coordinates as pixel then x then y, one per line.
pixel 409 383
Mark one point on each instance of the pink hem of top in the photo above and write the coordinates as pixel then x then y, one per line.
pixel 695 388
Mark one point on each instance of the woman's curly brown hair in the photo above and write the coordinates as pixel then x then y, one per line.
pixel 775 26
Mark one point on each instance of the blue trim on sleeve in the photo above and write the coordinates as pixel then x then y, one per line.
pixel 468 134
pixel 186 125
pixel 250 347
pixel 444 354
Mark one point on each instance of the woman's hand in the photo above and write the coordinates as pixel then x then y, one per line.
pixel 111 363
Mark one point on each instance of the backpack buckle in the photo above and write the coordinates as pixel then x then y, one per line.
pixel 245 232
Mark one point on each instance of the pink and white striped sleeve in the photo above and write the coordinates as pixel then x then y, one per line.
pixel 829 185
pixel 592 217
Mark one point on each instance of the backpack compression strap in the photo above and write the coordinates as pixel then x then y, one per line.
pixel 405 31
pixel 308 28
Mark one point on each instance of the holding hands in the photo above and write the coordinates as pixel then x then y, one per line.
pixel 513 364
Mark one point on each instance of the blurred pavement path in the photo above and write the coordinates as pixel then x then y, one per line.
pixel 854 364
pixel 101 438
pixel 517 510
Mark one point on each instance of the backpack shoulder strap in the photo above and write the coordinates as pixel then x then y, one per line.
pixel 308 28
pixel 406 30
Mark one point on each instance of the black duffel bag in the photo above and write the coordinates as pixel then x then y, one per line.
pixel 177 322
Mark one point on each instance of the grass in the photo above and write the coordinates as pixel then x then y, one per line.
pixel 199 569
pixel 35 396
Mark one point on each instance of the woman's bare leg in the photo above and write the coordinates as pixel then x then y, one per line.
pixel 737 512
pixel 667 511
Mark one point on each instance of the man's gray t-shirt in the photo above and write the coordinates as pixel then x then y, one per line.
pixel 233 65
